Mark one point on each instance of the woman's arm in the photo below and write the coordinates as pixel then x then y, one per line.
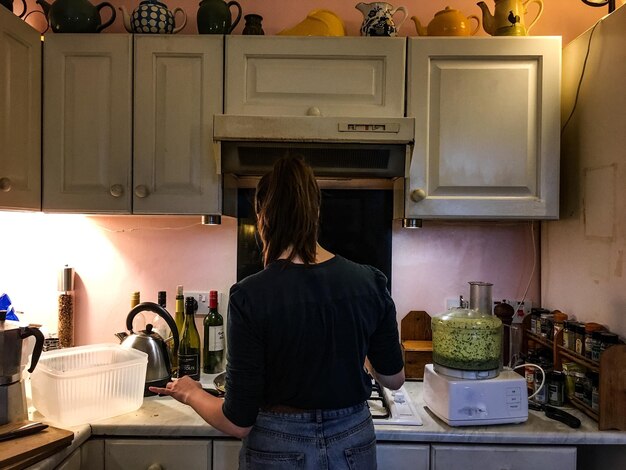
pixel 188 391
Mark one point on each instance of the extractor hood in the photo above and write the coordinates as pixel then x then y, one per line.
pixel 336 148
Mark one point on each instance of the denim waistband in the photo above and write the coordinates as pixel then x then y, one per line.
pixel 312 415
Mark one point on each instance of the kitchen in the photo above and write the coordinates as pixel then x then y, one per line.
pixel 116 255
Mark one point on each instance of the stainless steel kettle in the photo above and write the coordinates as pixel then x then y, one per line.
pixel 159 370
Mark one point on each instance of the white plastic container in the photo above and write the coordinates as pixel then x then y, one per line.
pixel 87 383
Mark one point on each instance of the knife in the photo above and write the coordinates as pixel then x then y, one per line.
pixel 555 413
pixel 25 430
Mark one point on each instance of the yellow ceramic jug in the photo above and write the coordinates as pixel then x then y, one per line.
pixel 448 22
pixel 317 23
pixel 508 17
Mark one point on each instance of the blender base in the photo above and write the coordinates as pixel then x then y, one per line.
pixel 460 402
pixel 466 374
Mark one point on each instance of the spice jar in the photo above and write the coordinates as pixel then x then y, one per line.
pixel 590 328
pixel 579 342
pixel 596 345
pixel 595 391
pixel 607 340
pixel 588 388
pixel 556 388
pixel 546 320
pixel 567 331
pixel 579 384
pixel 65 284
pixel 535 320
pixel 558 321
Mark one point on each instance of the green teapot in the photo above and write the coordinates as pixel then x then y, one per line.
pixel 75 16
pixel 214 16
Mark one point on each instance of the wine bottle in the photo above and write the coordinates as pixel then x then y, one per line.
pixel 189 348
pixel 179 311
pixel 213 355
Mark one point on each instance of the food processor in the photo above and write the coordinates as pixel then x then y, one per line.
pixel 466 384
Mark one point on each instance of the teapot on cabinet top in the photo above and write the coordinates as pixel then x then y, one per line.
pixel 8 4
pixel 152 17
pixel 508 17
pixel 75 16
pixel 378 19
pixel 448 22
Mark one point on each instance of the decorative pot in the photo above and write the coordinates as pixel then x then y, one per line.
pixel 214 17
pixel 152 17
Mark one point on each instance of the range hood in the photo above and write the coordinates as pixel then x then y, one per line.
pixel 344 149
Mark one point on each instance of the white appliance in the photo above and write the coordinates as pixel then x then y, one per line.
pixel 461 402
pixel 393 407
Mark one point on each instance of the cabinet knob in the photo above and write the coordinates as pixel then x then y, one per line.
pixel 155 466
pixel 5 185
pixel 141 191
pixel 116 190
pixel 313 111
pixel 417 195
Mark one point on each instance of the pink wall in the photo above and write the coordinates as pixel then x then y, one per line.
pixel 114 256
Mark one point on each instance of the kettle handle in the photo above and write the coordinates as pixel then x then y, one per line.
pixel 404 15
pixel 229 4
pixel 160 311
pixel 111 20
pixel 540 4
pixel 27 331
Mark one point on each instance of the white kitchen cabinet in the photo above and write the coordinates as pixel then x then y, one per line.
pixel 300 76
pixel 402 456
pixel 127 454
pixel 474 457
pixel 226 454
pixel 87 122
pixel 128 123
pixel 20 114
pixel 72 462
pixel 487 131
pixel 178 88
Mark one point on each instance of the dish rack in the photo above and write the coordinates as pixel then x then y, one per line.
pixel 611 369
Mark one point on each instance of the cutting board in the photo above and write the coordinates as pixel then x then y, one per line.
pixel 22 452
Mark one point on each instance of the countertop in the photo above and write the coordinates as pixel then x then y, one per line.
pixel 163 417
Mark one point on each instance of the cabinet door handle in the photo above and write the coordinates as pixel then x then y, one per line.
pixel 418 195
pixel 313 111
pixel 116 190
pixel 5 185
pixel 141 191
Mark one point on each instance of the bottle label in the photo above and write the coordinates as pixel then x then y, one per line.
pixel 189 364
pixel 216 338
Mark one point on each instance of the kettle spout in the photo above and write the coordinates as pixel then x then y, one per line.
pixel 489 21
pixel 126 19
pixel 362 7
pixel 421 30
pixel 121 336
pixel 45 6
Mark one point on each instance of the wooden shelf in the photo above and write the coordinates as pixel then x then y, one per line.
pixel 612 377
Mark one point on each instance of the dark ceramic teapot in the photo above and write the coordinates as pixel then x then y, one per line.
pixel 214 17
pixel 75 16
pixel 8 4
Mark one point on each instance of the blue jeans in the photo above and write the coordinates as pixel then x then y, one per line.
pixel 341 439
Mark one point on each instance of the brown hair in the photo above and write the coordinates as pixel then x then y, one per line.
pixel 287 203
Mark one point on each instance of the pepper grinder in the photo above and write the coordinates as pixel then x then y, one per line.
pixel 65 285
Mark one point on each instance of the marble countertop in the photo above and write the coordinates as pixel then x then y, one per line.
pixel 163 417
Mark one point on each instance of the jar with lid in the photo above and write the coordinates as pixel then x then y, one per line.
pixel 596 345
pixel 546 320
pixel 535 319
pixel 556 388
pixel 608 339
pixel 558 320
pixel 567 331
pixel 590 328
pixel 579 384
pixel 588 388
pixel 595 391
pixel 579 342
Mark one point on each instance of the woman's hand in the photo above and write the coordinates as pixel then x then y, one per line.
pixel 179 389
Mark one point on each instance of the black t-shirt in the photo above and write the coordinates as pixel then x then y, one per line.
pixel 298 336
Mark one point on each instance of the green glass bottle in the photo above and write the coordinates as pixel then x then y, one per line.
pixel 189 348
pixel 213 354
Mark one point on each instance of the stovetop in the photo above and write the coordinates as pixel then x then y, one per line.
pixel 393 407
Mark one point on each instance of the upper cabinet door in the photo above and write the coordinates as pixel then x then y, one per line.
pixel 486 127
pixel 20 114
pixel 289 76
pixel 87 123
pixel 178 89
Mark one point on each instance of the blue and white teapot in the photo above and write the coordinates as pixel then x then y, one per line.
pixel 152 17
pixel 378 19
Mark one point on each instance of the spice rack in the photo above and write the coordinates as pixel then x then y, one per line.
pixel 611 369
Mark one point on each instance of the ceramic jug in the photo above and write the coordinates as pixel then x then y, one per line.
pixel 253 25
pixel 448 22
pixel 8 4
pixel 75 16
pixel 214 16
pixel 508 17
pixel 378 19
pixel 152 17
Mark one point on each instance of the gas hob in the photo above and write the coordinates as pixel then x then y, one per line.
pixel 392 407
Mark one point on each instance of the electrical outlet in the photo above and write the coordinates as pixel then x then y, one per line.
pixel 203 301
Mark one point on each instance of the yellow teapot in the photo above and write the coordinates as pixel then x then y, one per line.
pixel 508 17
pixel 317 23
pixel 448 22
